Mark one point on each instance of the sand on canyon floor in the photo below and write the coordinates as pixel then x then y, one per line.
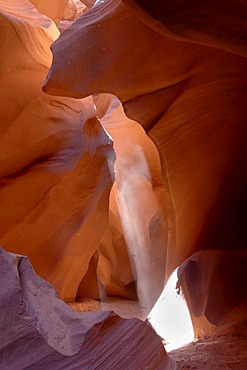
pixel 215 353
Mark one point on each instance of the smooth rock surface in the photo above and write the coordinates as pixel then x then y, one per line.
pixel 138 199
pixel 56 162
pixel 221 24
pixel 57 10
pixel 213 283
pixel 186 85
pixel 191 99
pixel 38 331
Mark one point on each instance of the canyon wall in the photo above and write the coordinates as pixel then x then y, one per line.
pixel 56 159
pixel 98 207
pixel 188 90
pixel 40 331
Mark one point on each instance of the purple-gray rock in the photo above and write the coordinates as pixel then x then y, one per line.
pixel 39 331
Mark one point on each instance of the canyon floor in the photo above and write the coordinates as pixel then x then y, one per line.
pixel 217 353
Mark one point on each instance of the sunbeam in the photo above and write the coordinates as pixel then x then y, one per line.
pixel 170 317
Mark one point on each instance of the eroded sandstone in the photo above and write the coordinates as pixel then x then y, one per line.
pixel 56 159
pixel 186 85
pixel 40 331
pixel 191 101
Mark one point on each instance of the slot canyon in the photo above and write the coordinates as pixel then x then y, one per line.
pixel 123 188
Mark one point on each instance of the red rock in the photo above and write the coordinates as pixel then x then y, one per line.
pixel 221 24
pixel 55 178
pixel 186 84
pixel 138 199
pixel 57 10
pixel 191 100
pixel 213 283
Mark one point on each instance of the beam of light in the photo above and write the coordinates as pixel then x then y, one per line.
pixel 139 193
pixel 170 317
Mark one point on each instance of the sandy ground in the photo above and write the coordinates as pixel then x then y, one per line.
pixel 218 353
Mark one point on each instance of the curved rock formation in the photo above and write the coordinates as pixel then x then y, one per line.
pixel 57 10
pixel 186 84
pixel 213 283
pixel 40 331
pixel 56 159
pixel 139 198
pixel 221 24
pixel 191 101
pixel 189 91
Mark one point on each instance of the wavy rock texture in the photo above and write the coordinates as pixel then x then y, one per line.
pixel 191 101
pixel 70 15
pixel 138 199
pixel 221 24
pixel 88 3
pixel 40 331
pixel 57 10
pixel 213 283
pixel 56 158
pixel 186 85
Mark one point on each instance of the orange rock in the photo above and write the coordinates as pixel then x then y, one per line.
pixel 139 198
pixel 55 178
pixel 191 99
pixel 213 283
pixel 221 24
pixel 48 331
pixel 57 10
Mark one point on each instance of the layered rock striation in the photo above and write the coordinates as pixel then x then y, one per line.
pixel 180 71
pixel 186 85
pixel 191 101
pixel 213 283
pixel 56 159
pixel 220 24
pixel 40 331
pixel 138 199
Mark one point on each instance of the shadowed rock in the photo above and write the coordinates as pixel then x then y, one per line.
pixel 191 100
pixel 40 331
pixel 221 23
pixel 56 160
pixel 213 283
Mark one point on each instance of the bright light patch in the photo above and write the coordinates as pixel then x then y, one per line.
pixel 170 317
